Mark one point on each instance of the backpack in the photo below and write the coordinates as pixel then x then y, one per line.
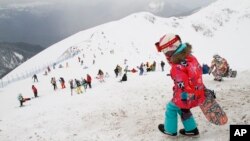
pixel 205 69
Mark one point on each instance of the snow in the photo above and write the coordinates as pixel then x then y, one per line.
pixel 19 56
pixel 130 110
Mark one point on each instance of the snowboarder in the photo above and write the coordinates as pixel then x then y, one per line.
pixel 22 99
pixel 34 89
pixel 221 67
pixel 35 78
pixel 188 87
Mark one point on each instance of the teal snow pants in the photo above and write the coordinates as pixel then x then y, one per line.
pixel 171 119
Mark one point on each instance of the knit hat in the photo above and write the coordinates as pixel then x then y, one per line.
pixel 216 56
pixel 168 43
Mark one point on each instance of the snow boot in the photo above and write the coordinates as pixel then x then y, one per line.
pixel 192 133
pixel 218 79
pixel 161 128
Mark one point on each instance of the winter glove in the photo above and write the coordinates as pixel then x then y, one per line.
pixel 184 96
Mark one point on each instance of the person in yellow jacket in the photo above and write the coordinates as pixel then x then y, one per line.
pixel 219 67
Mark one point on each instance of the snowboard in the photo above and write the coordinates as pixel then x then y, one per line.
pixel 212 110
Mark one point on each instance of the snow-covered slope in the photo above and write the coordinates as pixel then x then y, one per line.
pixel 220 28
pixel 113 111
pixel 133 109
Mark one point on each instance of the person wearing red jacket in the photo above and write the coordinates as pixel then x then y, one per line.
pixel 89 79
pixel 34 89
pixel 188 90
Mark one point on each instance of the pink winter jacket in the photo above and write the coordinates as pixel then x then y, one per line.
pixel 188 85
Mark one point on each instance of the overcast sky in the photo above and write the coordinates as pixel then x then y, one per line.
pixel 45 22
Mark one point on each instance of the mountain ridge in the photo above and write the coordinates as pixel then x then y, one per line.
pixel 14 54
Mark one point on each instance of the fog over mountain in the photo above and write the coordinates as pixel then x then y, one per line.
pixel 49 21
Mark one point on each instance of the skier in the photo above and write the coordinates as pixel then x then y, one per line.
pixel 35 78
pixel 34 89
pixel 221 67
pixel 188 87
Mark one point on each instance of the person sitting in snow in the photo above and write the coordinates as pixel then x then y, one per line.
pixel 221 67
pixel 22 99
pixel 189 90
pixel 124 77
pixel 100 75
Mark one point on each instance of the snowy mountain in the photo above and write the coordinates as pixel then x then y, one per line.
pixel 130 110
pixel 14 54
pixel 134 36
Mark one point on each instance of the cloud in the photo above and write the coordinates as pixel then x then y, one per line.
pixel 29 5
pixel 156 6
